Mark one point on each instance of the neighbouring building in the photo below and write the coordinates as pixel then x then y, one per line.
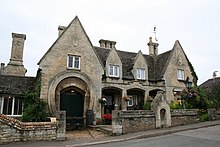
pixel 75 74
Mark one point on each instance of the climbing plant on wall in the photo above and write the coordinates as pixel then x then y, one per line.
pixel 35 109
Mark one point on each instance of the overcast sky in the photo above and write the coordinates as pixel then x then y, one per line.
pixel 195 23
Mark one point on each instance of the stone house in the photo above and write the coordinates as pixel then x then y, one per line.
pixel 75 74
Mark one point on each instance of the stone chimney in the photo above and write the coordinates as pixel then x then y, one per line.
pixel 2 68
pixel 153 47
pixel 107 44
pixel 61 29
pixel 15 66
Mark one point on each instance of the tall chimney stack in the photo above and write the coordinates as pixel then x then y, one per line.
pixel 17 49
pixel 15 66
pixel 153 47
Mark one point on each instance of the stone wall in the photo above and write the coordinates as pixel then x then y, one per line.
pixel 137 120
pixel 13 130
pixel 140 120
pixel 214 114
pixel 184 116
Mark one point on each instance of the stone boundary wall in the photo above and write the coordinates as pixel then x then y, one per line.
pixel 184 116
pixel 13 130
pixel 214 114
pixel 137 120
pixel 140 120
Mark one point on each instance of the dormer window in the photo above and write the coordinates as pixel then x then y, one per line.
pixel 113 70
pixel 73 62
pixel 140 73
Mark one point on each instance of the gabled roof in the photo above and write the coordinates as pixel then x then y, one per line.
pixel 210 82
pixel 160 64
pixel 75 19
pixel 16 85
pixel 156 64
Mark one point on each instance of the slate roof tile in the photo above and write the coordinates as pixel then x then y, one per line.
pixel 16 85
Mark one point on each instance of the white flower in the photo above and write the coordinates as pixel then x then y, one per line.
pixel 104 99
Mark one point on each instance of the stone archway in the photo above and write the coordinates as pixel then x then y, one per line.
pixel 68 79
pixel 77 85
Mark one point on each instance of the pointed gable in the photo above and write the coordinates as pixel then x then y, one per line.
pixel 140 63
pixel 72 45
pixel 114 60
pixel 177 62
pixel 74 37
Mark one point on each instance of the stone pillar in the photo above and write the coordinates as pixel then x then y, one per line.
pixel 116 122
pixel 123 102
pixel 61 125
pixel 162 110
pixel 146 96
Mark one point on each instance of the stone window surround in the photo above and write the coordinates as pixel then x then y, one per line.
pixel 115 70
pixel 74 66
pixel 133 100
pixel 180 74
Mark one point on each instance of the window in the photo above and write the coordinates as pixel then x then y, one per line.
pixel 11 106
pixel 180 74
pixel 133 100
pixel 141 74
pixel 114 70
pixel 73 62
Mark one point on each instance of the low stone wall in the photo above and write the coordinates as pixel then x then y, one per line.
pixel 184 116
pixel 214 114
pixel 13 130
pixel 140 120
pixel 137 120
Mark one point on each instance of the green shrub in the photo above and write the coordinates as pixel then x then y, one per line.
pixel 147 105
pixel 35 109
pixel 204 117
pixel 175 105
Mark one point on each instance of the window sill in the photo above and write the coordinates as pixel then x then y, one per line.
pixel 114 77
pixel 180 80
pixel 69 68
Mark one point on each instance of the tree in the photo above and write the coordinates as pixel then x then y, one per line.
pixel 195 98
pixel 214 95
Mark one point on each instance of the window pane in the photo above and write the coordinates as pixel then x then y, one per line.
pixel 76 62
pixel 17 107
pixel 180 74
pixel 130 102
pixel 7 107
pixel 70 61
pixel 140 73
pixel 115 70
pixel 111 70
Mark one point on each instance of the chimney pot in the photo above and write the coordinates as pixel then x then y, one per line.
pixel 61 29
pixel 107 44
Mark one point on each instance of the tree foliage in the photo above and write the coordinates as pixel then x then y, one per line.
pixel 195 98
pixel 35 109
pixel 214 95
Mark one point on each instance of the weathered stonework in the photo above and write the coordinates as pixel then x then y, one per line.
pixel 140 120
pixel 184 116
pixel 15 67
pixel 13 130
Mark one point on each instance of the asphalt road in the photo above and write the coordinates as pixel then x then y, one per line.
pixel 204 137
